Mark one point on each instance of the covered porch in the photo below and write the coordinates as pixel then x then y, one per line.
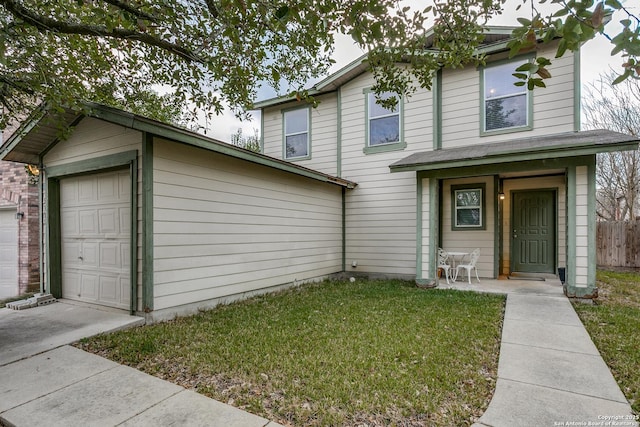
pixel 547 287
pixel 528 205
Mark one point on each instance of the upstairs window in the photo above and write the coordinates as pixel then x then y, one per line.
pixel 384 126
pixel 296 134
pixel 505 105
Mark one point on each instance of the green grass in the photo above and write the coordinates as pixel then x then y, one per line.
pixel 335 353
pixel 614 326
pixel 4 302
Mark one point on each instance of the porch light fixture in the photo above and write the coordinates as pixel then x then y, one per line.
pixel 501 196
pixel 19 215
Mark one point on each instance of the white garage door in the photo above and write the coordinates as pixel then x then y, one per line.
pixel 95 228
pixel 8 253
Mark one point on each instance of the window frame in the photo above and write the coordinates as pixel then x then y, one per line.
pixel 391 146
pixel 483 100
pixel 285 134
pixel 483 206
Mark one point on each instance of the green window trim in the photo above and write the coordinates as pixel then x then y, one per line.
pixel 482 208
pixel 285 155
pixel 528 93
pixel 392 146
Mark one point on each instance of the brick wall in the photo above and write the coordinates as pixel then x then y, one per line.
pixel 17 191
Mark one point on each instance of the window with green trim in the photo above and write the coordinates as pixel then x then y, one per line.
pixel 383 124
pixel 296 133
pixel 506 106
pixel 468 207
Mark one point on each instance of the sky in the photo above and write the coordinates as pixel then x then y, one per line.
pixel 595 60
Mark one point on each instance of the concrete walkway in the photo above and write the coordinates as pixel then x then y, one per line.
pixel 43 381
pixel 549 372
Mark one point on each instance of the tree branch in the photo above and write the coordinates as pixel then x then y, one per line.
pixel 46 24
pixel 126 6
pixel 213 9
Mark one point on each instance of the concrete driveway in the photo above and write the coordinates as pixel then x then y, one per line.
pixel 24 333
pixel 45 381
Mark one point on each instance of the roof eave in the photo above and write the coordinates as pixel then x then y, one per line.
pixel 326 85
pixel 173 133
pixel 358 66
pixel 542 154
pixel 37 118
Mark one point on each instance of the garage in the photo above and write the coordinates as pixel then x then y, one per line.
pixel 160 221
pixel 95 231
pixel 8 253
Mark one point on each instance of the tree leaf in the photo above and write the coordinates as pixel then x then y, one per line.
pixel 544 73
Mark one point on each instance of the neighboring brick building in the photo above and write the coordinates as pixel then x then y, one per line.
pixel 19 203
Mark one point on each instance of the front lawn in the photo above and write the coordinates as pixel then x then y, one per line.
pixel 334 353
pixel 614 325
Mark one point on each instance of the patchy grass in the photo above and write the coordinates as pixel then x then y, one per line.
pixel 335 353
pixel 4 302
pixel 613 323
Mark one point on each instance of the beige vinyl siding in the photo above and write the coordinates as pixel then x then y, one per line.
pixel 461 102
pixel 381 210
pixel 468 240
pixel 222 228
pixel 554 182
pixel 323 129
pixel 272 131
pixel 582 227
pixel 93 138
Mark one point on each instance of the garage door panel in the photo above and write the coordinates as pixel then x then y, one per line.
pixel 108 189
pixel 87 190
pixel 124 185
pixel 124 216
pixel 68 193
pixel 71 252
pixel 7 235
pixel 109 289
pixel 101 214
pixel 71 288
pixel 110 255
pixel 125 256
pixel 89 286
pixel 90 254
pixel 88 222
pixel 6 252
pixel 70 223
pixel 109 222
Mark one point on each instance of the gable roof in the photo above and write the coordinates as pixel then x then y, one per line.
pixel 41 131
pixel 495 40
pixel 569 144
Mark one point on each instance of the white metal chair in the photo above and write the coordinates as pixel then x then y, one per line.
pixel 473 259
pixel 443 263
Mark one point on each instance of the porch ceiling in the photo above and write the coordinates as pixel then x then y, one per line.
pixel 571 144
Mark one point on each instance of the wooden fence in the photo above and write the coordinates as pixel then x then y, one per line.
pixel 618 244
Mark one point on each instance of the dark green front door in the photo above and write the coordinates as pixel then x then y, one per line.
pixel 533 237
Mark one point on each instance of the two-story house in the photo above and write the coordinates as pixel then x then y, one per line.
pixel 476 162
pixel 156 220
